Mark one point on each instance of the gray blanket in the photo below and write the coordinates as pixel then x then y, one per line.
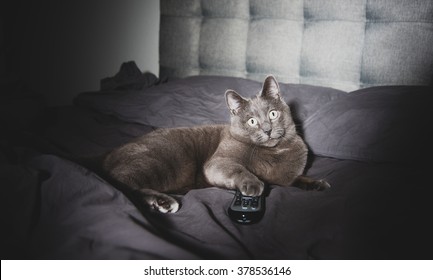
pixel 377 207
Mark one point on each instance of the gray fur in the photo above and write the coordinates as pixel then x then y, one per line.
pixel 243 155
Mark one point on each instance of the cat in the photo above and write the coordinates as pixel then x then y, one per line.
pixel 260 145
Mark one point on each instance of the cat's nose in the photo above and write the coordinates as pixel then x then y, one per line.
pixel 267 131
pixel 267 128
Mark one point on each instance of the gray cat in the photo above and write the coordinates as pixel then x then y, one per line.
pixel 260 145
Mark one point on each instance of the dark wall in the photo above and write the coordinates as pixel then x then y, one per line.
pixel 60 48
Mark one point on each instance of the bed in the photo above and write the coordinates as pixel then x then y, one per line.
pixel 358 77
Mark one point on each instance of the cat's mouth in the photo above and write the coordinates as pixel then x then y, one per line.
pixel 271 140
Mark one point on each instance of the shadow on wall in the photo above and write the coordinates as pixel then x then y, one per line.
pixel 60 49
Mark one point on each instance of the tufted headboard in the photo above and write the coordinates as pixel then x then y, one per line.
pixel 344 44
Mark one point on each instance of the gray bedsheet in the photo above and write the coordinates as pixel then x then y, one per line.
pixel 377 208
pixel 367 214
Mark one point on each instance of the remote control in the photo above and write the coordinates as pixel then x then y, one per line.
pixel 246 209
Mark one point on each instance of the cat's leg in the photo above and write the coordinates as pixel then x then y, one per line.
pixel 307 183
pixel 140 193
pixel 228 174
pixel 136 180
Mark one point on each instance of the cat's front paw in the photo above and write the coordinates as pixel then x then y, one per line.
pixel 321 185
pixel 251 187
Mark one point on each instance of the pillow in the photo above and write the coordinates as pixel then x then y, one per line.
pixel 196 100
pixel 378 124
pixel 305 100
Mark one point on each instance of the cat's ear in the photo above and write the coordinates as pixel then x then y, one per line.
pixel 235 102
pixel 270 88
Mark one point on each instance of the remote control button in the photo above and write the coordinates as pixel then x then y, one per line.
pixel 245 204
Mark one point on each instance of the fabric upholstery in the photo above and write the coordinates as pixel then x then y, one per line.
pixel 344 44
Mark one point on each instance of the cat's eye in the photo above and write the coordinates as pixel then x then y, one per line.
pixel 273 114
pixel 252 122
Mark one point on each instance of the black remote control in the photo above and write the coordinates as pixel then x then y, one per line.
pixel 246 209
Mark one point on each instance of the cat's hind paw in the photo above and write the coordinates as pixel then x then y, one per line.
pixel 165 204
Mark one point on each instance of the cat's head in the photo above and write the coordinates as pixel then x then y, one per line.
pixel 264 120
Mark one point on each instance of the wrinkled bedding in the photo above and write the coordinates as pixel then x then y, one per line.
pixel 377 207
